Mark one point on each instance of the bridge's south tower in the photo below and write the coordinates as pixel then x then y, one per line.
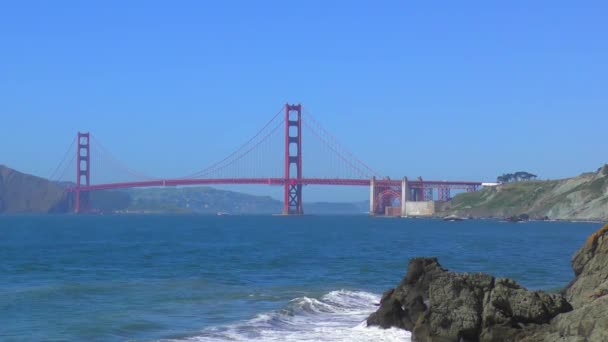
pixel 293 160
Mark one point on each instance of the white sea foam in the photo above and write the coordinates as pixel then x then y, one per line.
pixel 337 316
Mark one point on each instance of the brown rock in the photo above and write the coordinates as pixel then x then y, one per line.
pixel 590 265
pixel 437 305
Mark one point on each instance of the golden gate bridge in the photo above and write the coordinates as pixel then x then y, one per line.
pixel 250 164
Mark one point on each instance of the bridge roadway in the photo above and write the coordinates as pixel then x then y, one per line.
pixel 277 181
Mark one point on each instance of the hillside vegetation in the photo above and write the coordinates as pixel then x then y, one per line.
pixel 584 197
pixel 23 193
pixel 207 200
pixel 204 200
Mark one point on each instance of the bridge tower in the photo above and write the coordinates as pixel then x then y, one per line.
pixel 292 204
pixel 83 172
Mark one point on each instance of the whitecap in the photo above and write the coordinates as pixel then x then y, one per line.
pixel 336 316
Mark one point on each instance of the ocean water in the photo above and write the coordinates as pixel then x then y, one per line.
pixel 245 278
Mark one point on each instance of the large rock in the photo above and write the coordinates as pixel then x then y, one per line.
pixel 586 324
pixel 588 293
pixel 590 266
pixel 438 305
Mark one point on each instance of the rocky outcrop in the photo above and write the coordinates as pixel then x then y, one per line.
pixel 586 324
pixel 438 305
pixel 590 266
pixel 588 293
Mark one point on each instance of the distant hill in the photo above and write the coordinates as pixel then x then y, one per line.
pixel 204 200
pixel 207 200
pixel 584 197
pixel 23 193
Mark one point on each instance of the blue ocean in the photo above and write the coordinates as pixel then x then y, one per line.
pixel 245 278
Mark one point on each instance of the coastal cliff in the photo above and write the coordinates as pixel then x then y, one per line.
pixel 438 305
pixel 584 197
pixel 23 193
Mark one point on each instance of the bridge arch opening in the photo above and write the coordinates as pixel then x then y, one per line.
pixel 387 198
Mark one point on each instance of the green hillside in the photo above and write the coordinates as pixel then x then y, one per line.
pixel 584 197
pixel 203 200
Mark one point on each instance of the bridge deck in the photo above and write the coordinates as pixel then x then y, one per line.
pixel 276 181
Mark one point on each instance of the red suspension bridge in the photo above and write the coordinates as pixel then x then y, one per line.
pixel 256 162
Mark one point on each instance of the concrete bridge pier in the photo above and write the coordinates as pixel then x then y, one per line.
pixel 372 196
pixel 405 191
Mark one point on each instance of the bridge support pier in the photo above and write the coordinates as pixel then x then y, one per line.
pixel 405 192
pixel 372 196
pixel 443 194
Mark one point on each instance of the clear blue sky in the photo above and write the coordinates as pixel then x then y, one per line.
pixel 446 90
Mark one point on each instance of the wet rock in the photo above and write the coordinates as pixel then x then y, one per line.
pixel 438 305
pixel 590 265
pixel 586 324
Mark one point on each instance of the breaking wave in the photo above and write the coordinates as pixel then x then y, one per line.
pixel 336 316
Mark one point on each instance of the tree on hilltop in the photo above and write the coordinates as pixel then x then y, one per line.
pixel 515 177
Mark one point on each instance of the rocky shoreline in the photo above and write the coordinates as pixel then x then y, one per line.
pixel 438 305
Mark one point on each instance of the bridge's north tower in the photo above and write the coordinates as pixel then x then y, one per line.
pixel 83 171
pixel 293 160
